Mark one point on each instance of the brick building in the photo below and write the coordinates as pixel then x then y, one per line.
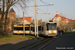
pixel 11 18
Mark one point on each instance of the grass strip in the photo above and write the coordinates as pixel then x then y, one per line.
pixel 16 37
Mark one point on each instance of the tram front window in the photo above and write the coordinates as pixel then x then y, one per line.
pixel 52 26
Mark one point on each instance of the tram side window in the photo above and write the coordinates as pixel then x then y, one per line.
pixel 26 28
pixel 42 28
pixel 32 28
pixel 39 28
pixel 20 28
pixel 15 28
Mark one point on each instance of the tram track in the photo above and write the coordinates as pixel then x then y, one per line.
pixel 30 44
pixel 38 45
pixel 41 48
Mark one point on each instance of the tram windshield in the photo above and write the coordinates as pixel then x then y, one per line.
pixel 51 26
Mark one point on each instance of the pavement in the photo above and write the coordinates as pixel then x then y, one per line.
pixel 66 42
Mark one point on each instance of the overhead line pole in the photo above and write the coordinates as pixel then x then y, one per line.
pixel 35 17
pixel 23 24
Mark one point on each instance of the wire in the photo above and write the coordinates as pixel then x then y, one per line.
pixel 41 10
pixel 30 9
pixel 44 2
pixel 30 5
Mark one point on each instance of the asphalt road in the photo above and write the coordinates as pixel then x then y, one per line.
pixel 66 42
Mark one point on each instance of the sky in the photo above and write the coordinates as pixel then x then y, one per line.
pixel 65 8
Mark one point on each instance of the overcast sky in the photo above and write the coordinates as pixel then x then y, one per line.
pixel 64 7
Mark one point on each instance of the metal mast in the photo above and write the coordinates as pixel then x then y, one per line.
pixel 23 24
pixel 35 16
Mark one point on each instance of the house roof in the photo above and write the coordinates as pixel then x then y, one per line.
pixel 11 10
pixel 62 17
pixel 72 20
pixel 57 15
pixel 26 18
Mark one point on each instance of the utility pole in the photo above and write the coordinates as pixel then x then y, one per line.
pixel 35 16
pixel 23 24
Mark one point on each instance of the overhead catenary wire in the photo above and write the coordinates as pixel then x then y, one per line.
pixel 46 3
pixel 41 10
pixel 28 15
pixel 28 7
pixel 41 5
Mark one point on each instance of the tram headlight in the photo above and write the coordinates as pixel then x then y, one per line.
pixel 49 31
pixel 55 31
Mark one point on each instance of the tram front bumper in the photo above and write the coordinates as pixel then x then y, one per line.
pixel 52 34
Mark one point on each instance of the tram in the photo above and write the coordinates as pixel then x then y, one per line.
pixel 49 29
pixel 19 29
pixel 46 29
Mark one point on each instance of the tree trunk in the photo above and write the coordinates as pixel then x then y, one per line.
pixel 5 24
pixel 1 25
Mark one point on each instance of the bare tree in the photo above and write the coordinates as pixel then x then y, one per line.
pixel 6 5
pixel 60 24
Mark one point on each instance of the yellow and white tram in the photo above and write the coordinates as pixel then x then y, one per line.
pixel 49 29
pixel 46 29
pixel 19 29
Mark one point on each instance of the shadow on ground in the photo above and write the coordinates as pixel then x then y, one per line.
pixel 10 46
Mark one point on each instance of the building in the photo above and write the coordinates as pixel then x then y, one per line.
pixel 61 20
pixel 71 25
pixel 11 16
pixel 27 20
pixel 39 21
